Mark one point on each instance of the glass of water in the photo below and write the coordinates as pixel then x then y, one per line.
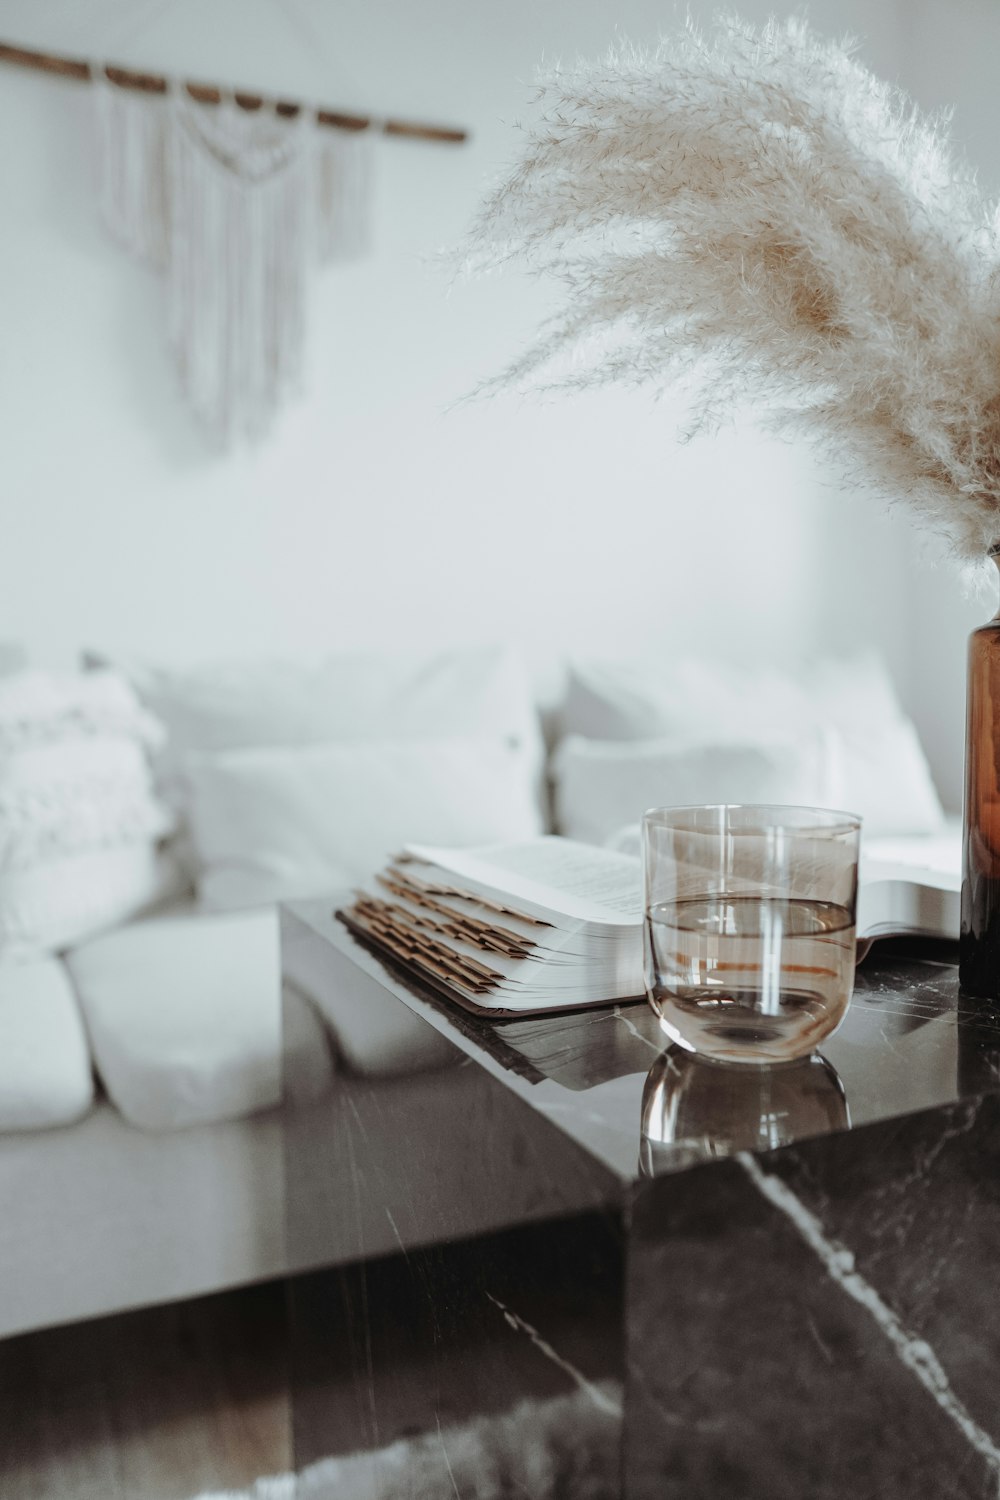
pixel 749 933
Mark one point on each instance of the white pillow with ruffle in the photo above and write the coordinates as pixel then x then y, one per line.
pixel 80 794
pixel 39 707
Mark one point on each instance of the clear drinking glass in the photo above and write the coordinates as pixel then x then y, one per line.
pixel 749 933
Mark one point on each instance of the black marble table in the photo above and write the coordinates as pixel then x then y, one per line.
pixel 556 1257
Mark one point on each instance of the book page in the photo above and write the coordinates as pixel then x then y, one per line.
pixel 550 875
pixel 895 898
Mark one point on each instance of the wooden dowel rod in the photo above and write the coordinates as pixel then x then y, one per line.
pixel 210 93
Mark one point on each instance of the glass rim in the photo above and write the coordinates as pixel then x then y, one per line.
pixel 820 819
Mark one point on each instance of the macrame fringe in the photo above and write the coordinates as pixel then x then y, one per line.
pixel 132 172
pixel 237 263
pixel 233 205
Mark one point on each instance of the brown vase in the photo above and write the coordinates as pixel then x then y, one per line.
pixel 979 949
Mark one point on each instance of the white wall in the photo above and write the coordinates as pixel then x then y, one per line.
pixel 377 509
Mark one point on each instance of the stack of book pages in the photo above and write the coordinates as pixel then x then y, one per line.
pixel 545 925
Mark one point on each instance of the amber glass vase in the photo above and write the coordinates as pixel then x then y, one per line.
pixel 979 952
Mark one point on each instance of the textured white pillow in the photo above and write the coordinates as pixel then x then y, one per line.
pixel 600 785
pixel 276 822
pixel 874 762
pixel 51 905
pixel 78 793
pixel 41 707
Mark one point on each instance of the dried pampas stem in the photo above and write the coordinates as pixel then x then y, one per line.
pixel 756 208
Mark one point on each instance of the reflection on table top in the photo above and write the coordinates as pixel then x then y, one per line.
pixel 607 1078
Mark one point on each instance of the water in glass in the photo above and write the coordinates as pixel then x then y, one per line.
pixel 751 977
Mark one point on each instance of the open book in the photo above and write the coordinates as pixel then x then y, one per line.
pixel 551 924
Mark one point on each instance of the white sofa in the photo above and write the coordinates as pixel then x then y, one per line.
pixel 140 1066
pixel 155 1169
pixel 140 1029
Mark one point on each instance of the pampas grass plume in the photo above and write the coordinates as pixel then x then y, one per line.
pixel 753 209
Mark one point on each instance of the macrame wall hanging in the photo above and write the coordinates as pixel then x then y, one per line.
pixel 234 199
pixel 234 207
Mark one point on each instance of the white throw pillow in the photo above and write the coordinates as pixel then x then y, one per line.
pixel 45 1073
pixel 185 1018
pixel 883 775
pixel 601 785
pixel 874 762
pixel 51 905
pixel 716 701
pixel 273 823
pixel 477 691
pixel 79 822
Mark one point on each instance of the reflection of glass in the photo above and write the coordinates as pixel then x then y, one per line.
pixel 749 927
pixel 694 1110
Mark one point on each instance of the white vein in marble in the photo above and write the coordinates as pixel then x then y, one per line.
pixel 600 1399
pixel 914 1352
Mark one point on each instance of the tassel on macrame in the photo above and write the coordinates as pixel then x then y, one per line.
pixel 233 205
pixel 132 147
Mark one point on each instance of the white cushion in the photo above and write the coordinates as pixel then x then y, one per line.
pixel 885 778
pixel 45 1072
pixel 61 901
pixel 277 823
pixel 599 785
pixel 874 764
pixel 712 700
pixel 374 1035
pixel 78 818
pixel 476 691
pixel 184 1016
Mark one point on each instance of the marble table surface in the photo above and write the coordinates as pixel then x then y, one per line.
pixel 793 1269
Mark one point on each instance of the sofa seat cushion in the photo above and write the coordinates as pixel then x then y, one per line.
pixel 45 1073
pixel 184 1016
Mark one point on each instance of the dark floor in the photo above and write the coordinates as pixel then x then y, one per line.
pixel 448 1334
pixel 166 1403
pixel 160 1404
